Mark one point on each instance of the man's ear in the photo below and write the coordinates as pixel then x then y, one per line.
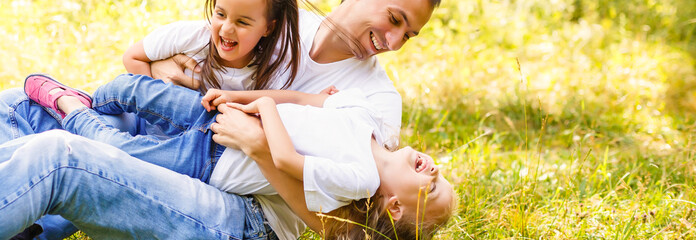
pixel 395 208
pixel 269 28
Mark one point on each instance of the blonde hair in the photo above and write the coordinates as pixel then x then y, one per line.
pixel 368 218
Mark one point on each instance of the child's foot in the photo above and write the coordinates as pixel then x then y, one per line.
pixel 46 91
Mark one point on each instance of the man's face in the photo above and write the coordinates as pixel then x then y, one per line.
pixel 385 25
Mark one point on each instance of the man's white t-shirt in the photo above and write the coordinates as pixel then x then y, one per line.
pixel 192 38
pixel 367 75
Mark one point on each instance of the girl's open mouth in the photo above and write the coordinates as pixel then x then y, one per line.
pixel 227 45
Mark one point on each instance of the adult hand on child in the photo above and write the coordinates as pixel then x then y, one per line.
pixel 172 70
pixel 238 130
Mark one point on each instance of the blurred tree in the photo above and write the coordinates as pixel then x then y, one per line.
pixel 577 11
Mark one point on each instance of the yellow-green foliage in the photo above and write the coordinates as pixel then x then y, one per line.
pixel 560 119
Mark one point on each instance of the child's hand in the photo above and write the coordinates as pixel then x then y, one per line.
pixel 215 97
pixel 252 107
pixel 331 90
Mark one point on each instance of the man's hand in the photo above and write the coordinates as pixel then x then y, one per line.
pixel 238 130
pixel 172 70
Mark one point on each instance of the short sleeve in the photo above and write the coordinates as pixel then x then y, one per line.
pixel 384 108
pixel 187 37
pixel 329 185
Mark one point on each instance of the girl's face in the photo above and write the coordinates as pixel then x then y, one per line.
pixel 236 28
pixel 411 172
pixel 385 25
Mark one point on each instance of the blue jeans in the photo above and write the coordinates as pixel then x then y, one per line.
pixel 109 194
pixel 175 110
pixel 19 116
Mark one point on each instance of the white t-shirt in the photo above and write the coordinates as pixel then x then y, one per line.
pixel 336 141
pixel 367 75
pixel 191 38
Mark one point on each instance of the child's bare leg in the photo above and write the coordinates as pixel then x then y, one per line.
pixel 67 104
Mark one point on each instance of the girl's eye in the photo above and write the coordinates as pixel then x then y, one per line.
pixel 243 23
pixel 219 14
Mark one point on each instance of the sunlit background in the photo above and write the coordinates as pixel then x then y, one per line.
pixel 556 119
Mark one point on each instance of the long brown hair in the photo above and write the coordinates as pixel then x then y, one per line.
pixel 377 223
pixel 285 31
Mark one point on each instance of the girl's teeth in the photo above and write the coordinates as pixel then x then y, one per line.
pixel 228 43
pixel 421 164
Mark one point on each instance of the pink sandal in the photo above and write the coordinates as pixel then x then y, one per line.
pixel 37 87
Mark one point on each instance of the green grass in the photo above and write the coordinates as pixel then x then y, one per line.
pixel 565 119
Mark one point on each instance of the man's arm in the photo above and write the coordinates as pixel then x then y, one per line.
pixel 172 70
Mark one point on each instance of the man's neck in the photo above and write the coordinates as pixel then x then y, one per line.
pixel 327 46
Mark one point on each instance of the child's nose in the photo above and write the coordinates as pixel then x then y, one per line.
pixel 228 28
pixel 434 170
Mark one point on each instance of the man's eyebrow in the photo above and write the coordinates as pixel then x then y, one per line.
pixel 403 14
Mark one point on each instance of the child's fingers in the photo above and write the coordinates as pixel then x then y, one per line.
pixel 330 90
pixel 235 105
pixel 219 101
pixel 208 101
pixel 247 108
pixel 206 105
pixel 326 90
pixel 208 96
